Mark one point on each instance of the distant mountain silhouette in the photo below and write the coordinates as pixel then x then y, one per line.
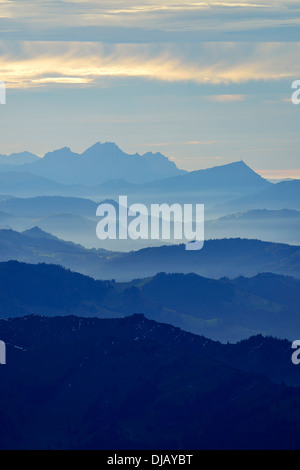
pixel 284 195
pixel 36 246
pixel 211 187
pixel 71 219
pixel 18 158
pixel 223 310
pixel 233 178
pixel 75 383
pixel 104 171
pixel 279 226
pixel 218 258
pixel 25 185
pixel 75 219
pixel 100 163
pixel 48 206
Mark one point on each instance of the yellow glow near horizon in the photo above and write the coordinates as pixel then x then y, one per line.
pixel 42 63
pixel 279 174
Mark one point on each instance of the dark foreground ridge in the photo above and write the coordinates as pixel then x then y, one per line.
pixel 74 383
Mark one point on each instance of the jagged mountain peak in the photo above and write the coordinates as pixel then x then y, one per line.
pixel 101 148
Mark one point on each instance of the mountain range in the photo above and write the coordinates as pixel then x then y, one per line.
pixel 231 179
pixel 266 211
pixel 100 163
pixel 104 170
pixel 95 356
pixel 16 159
pixel 218 258
pixel 75 383
pixel 239 203
pixel 74 219
pixel 284 195
pixel 279 226
pixel 219 309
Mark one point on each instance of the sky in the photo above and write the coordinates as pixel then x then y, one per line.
pixel 204 83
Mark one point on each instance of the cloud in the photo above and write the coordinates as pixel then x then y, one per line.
pixel 29 64
pixel 226 98
pixel 43 19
